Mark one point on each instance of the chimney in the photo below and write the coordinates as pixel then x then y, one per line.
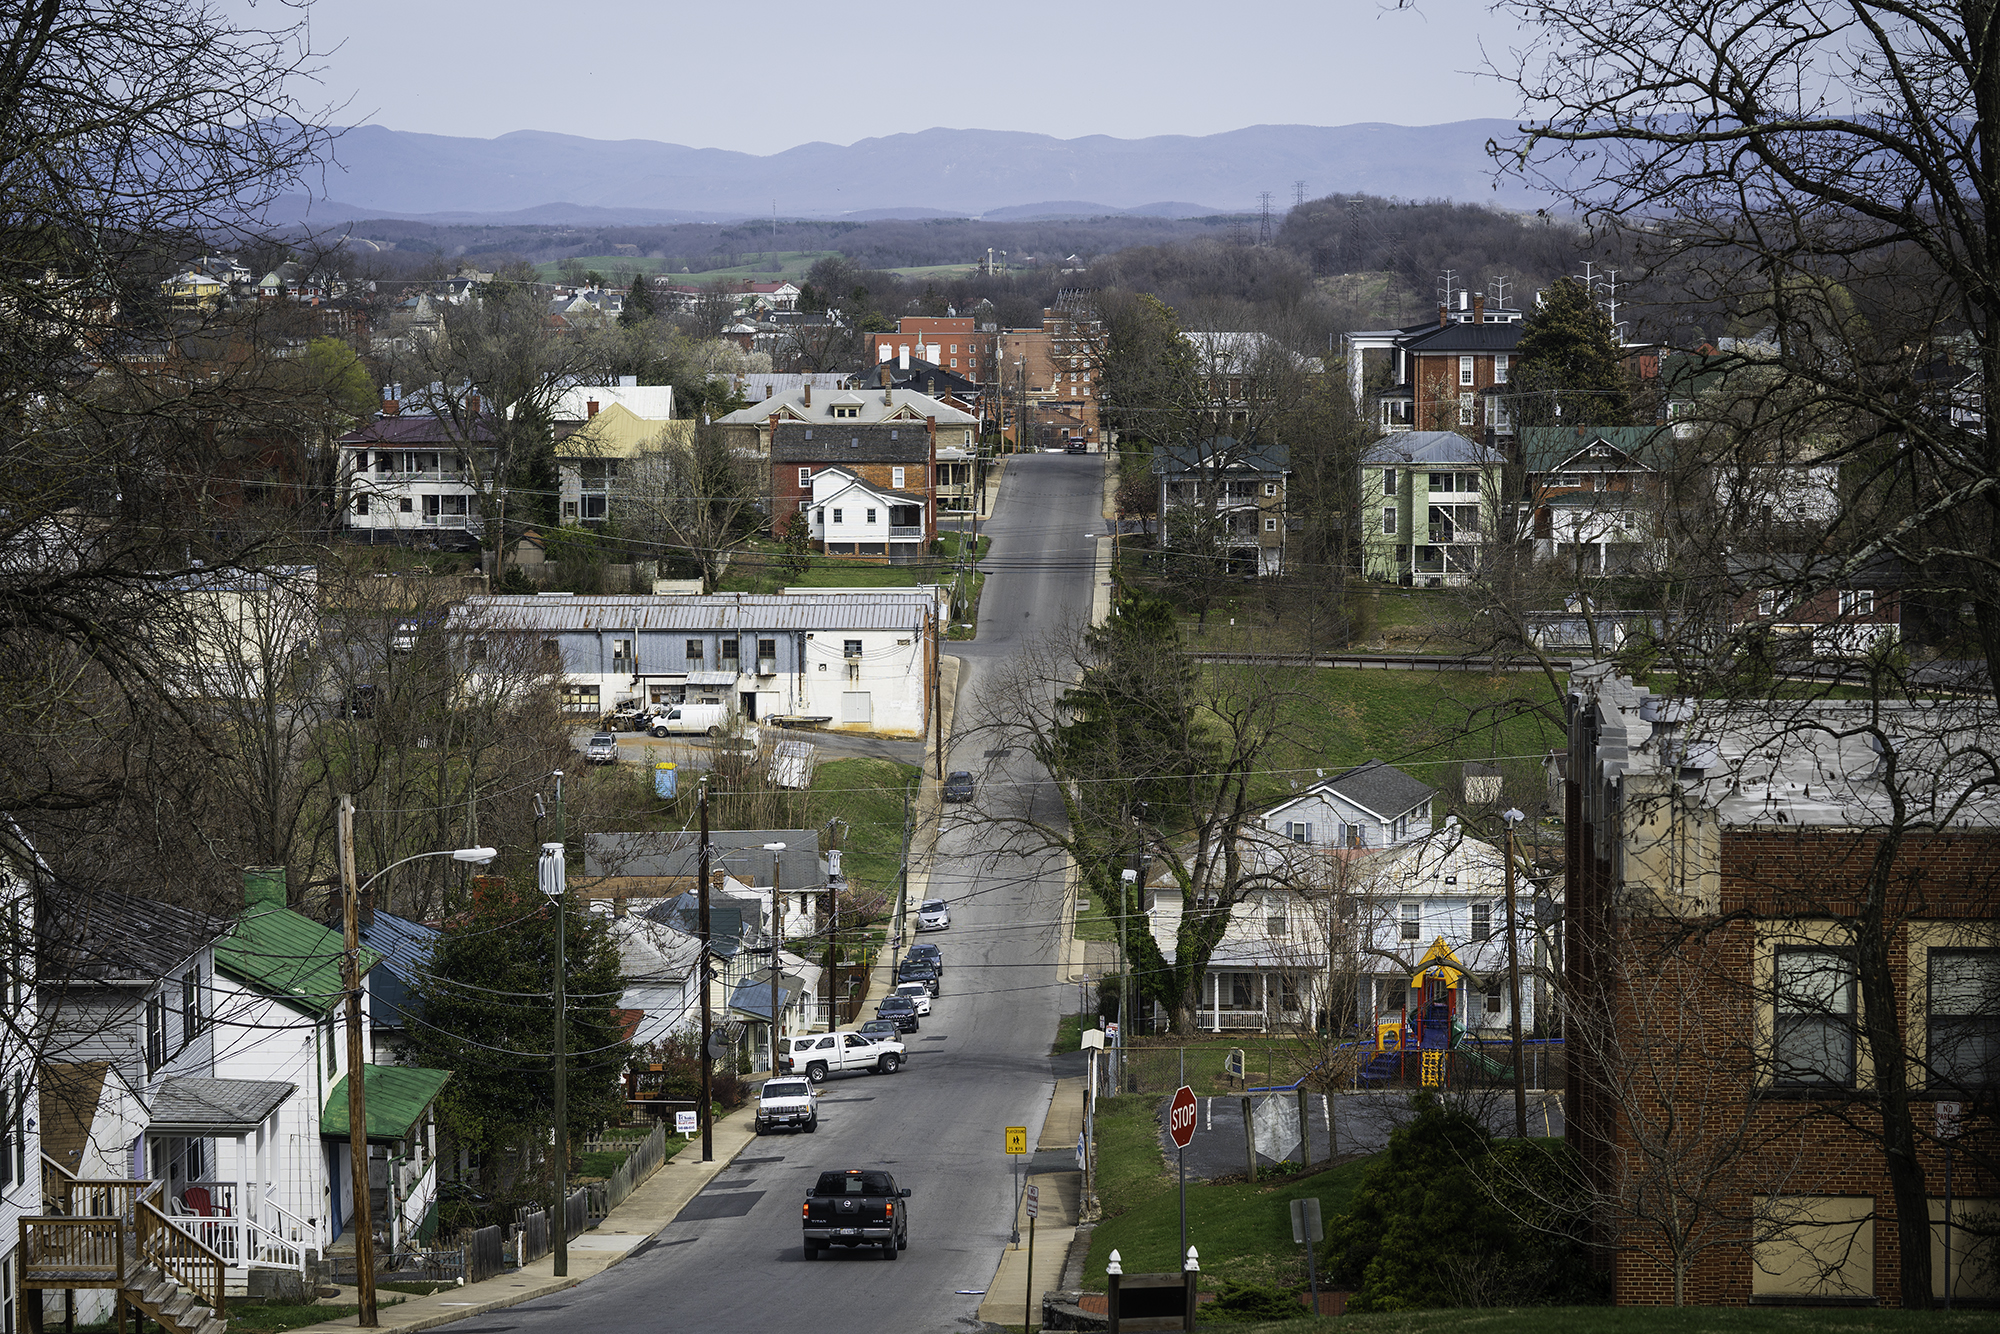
pixel 392 407
pixel 472 404
pixel 263 887
pixel 768 388
pixel 1479 309
pixel 809 393
pixel 888 399
pixel 903 357
pixel 1465 298
pixel 590 408
pixel 930 385
pixel 1444 314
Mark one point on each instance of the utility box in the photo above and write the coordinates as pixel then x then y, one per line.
pixel 1151 1301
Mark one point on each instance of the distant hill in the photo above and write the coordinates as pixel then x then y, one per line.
pixel 531 176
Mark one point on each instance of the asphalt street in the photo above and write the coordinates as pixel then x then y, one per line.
pixel 732 1260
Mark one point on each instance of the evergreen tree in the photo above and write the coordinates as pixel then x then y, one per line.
pixel 1568 372
pixel 488 1016
pixel 639 305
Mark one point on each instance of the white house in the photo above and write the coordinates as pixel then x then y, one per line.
pixel 865 663
pixel 20 1093
pixel 1369 806
pixel 229 634
pixel 849 514
pixel 411 477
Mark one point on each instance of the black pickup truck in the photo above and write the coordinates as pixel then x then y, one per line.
pixel 856 1208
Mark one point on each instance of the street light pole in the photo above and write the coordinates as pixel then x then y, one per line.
pixel 357 1098
pixel 701 974
pixel 1514 983
pixel 554 884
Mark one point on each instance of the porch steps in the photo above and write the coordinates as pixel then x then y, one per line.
pixel 165 1301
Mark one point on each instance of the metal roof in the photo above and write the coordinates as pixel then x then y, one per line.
pixel 395 1097
pixel 1404 448
pixel 743 612
pixel 288 955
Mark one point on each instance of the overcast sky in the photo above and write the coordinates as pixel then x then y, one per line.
pixel 760 78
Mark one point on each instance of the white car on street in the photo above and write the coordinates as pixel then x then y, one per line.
pixel 933 915
pixel 918 992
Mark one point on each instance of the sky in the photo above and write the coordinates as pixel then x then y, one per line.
pixel 763 77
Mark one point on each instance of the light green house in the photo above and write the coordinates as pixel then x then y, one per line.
pixel 1430 505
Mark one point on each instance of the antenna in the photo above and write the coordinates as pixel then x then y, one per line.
pixel 1447 284
pixel 1498 286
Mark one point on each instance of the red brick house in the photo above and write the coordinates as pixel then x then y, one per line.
pixel 1812 607
pixel 1781 962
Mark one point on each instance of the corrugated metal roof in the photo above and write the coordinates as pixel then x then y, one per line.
pixel 725 612
pixel 288 955
pixel 405 947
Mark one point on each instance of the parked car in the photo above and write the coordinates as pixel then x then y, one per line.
pixel 880 1029
pixel 901 1010
pixel 928 951
pixel 1074 446
pixel 932 915
pixel 602 748
pixel 958 786
pixel 856 1208
pixel 786 1104
pixel 360 701
pixel 822 1054
pixel 917 970
pixel 919 993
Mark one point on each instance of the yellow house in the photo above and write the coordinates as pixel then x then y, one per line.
pixel 600 428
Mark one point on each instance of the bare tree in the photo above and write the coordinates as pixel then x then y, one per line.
pixel 701 498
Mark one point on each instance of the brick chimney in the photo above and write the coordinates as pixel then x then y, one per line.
pixel 769 388
pixel 589 409
pixel 1479 308
pixel 392 407
pixel 809 393
pixel 1444 314
pixel 472 404
pixel 888 399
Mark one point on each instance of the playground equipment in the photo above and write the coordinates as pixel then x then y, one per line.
pixel 1430 1031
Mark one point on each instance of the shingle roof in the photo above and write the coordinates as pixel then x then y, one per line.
pixel 872 408
pixel 1467 338
pixel 416 429
pixel 1223 454
pixel 725 612
pixel 287 955
pixel 740 852
pixel 850 442
pixel 106 936
pixel 215 1105
pixel 395 1098
pixel 1377 787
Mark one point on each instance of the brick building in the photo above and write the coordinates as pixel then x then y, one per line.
pixel 1782 964
pixel 955 343
pixel 897 460
pixel 1049 376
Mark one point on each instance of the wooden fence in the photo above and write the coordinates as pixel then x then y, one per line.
pixel 485 1253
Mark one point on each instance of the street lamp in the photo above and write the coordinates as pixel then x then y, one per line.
pixel 1513 817
pixel 357 1102
pixel 774 849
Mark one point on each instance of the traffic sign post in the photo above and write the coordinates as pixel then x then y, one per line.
pixel 1180 1127
pixel 1306 1227
pixel 1017 1147
pixel 1032 1201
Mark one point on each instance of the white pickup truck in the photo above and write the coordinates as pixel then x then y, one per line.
pixel 821 1054
pixel 786 1104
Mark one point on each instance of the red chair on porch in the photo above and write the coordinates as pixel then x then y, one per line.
pixel 203 1205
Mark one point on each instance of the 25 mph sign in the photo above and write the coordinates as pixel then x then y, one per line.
pixel 1180 1117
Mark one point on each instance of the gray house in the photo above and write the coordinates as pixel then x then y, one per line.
pixel 1370 806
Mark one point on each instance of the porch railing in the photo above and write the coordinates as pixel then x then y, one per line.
pixel 72 1252
pixel 181 1256
pixel 264 1236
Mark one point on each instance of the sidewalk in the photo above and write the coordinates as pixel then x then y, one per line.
pixel 1013 1290
pixel 651 1207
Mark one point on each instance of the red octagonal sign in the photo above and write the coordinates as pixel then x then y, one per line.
pixel 1180 1117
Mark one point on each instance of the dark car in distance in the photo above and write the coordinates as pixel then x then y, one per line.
pixel 928 951
pixel 881 1028
pixel 899 1010
pixel 918 970
pixel 958 786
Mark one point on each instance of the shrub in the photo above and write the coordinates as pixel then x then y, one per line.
pixel 1253 1302
pixel 1447 1218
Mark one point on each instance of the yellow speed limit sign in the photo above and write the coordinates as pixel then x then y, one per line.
pixel 1017 1139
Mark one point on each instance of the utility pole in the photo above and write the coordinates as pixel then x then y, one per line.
pixel 1128 882
pixel 554 875
pixel 776 935
pixel 1514 983
pixel 832 926
pixel 357 1109
pixel 701 973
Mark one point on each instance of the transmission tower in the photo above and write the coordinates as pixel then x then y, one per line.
pixel 1298 193
pixel 1264 218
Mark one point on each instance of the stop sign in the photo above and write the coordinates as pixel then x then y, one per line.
pixel 1180 1117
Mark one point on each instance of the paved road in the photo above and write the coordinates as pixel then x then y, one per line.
pixel 731 1262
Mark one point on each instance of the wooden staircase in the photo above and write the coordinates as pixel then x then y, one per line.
pixel 111 1234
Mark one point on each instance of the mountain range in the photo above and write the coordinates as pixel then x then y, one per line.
pixel 535 177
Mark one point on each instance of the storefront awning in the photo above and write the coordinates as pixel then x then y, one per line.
pixel 396 1098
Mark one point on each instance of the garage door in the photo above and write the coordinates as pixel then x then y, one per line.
pixel 855 707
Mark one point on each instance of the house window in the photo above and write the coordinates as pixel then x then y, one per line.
pixel 1242 991
pixel 767 650
pixel 850 648
pixel 156 1033
pixel 871 514
pixel 1465 410
pixel 1813 999
pixel 405 505
pixel 728 651
pixel 1482 920
pixel 1270 525
pixel 896 478
pixel 579 698
pixel 1767 602
pixel 1299 831
pixel 1465 370
pixel 805 477
pixel 837 515
pixel 1500 369
pixel 1389 520
pixel 1276 923
pixel 361 504
pixel 327 1035
pixel 841 412
pixel 1413 921
pixel 190 1005
pixel 1964 1016
pixel 1351 836
pixel 1270 488
pixel 1857 602
pixel 621 655
pixel 1388 481
pixel 1494 1003
pixel 694 650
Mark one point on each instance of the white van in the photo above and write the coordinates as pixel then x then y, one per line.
pixel 709 718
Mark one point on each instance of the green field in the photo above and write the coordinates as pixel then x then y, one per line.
pixel 760 267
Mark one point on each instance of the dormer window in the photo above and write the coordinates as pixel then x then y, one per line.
pixel 839 411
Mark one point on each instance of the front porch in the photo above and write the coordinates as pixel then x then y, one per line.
pixel 1252 1001
pixel 213 1147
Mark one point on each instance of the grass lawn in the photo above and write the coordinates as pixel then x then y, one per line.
pixel 253 1318
pixel 868 795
